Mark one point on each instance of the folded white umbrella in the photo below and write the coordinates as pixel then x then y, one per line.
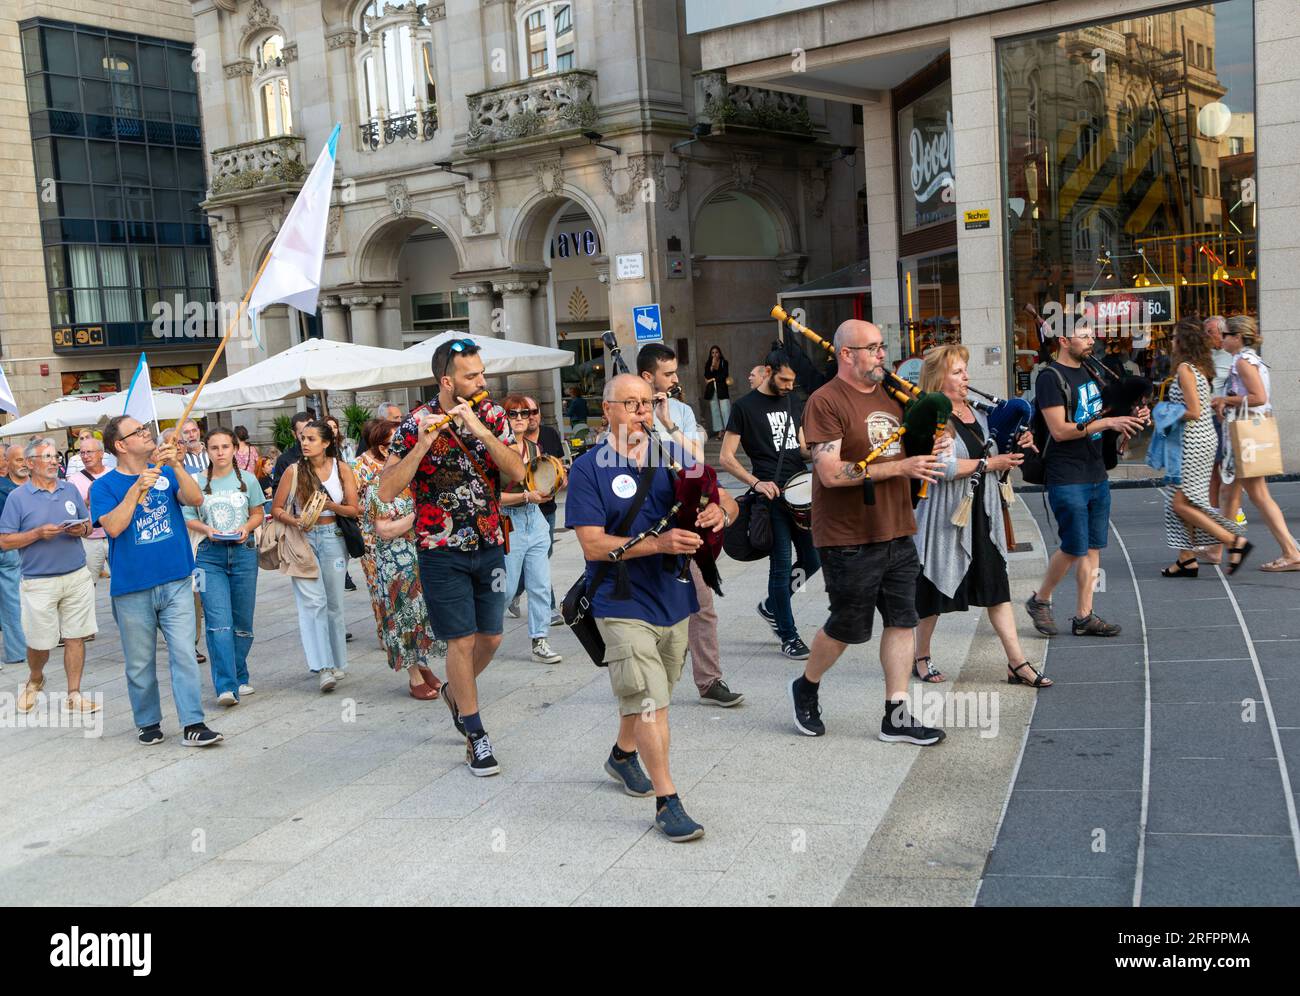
pixel 309 367
pixel 500 356
pixel 72 412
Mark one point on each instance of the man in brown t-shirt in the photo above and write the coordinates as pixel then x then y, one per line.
pixel 868 558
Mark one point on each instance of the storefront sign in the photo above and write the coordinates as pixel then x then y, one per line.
pixel 1120 311
pixel 977 218
pixel 69 337
pixel 566 244
pixel 926 160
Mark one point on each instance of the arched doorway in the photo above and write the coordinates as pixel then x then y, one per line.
pixel 577 304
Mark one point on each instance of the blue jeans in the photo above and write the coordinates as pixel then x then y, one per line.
pixel 779 575
pixel 320 602
pixel 11 610
pixel 139 616
pixel 1082 515
pixel 530 542
pixel 550 527
pixel 228 592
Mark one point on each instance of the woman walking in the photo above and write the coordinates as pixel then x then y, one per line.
pixel 391 566
pixel 1248 387
pixel 965 565
pixel 716 392
pixel 312 494
pixel 246 455
pixel 233 506
pixel 530 539
pixel 1191 522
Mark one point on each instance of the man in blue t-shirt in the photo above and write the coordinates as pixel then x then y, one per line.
pixel 138 504
pixel 14 475
pixel 645 632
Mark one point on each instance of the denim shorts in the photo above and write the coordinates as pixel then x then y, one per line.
pixel 465 590
pixel 1082 514
pixel 862 579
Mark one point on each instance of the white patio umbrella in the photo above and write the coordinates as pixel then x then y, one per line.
pixel 500 356
pixel 308 368
pixel 72 412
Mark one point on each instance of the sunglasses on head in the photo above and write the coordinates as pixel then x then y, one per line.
pixel 523 412
pixel 454 349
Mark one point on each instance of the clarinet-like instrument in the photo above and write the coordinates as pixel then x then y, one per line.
pixel 655 530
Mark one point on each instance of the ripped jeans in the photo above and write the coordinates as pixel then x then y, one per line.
pixel 226 576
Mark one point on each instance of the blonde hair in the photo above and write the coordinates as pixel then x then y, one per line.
pixel 1247 328
pixel 937 364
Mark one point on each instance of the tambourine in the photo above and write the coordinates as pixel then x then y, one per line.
pixel 315 505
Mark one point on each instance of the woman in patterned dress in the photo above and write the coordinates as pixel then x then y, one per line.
pixel 391 568
pixel 1191 522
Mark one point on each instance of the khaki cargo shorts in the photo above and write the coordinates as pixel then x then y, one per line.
pixel 644 662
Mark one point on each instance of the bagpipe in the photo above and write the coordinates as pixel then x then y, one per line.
pixel 925 415
pixel 1008 420
pixel 693 491
pixel 1119 396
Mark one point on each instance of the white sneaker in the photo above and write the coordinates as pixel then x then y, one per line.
pixel 339 675
pixel 512 610
pixel 227 699
pixel 246 690
pixel 542 652
pixel 327 680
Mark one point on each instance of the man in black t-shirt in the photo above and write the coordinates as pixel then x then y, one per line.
pixel 1078 490
pixel 548 441
pixel 764 422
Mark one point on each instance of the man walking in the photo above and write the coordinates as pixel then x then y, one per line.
pixel 44 521
pixel 11 564
pixel 138 504
pixel 1078 489
pixel 93 468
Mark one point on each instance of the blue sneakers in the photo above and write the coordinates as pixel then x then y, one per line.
pixel 675 824
pixel 630 775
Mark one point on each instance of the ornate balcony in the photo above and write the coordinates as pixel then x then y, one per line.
pixel 418 126
pixel 256 169
pixel 721 103
pixel 559 105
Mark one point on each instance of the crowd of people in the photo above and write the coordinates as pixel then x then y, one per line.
pixel 452 512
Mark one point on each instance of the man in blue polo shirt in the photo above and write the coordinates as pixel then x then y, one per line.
pixel 138 504
pixel 45 520
pixel 644 632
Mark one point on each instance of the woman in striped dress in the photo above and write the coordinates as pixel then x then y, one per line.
pixel 1191 522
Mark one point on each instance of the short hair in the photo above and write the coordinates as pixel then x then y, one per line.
pixel 376 433
pixel 651 355
pixel 937 363
pixel 381 410
pixel 93 441
pixel 777 359
pixel 39 443
pixel 514 401
pixel 608 394
pixel 113 433
pixel 440 363
pixel 298 418
pixel 1216 322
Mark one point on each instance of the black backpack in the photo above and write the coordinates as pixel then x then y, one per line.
pixel 1034 467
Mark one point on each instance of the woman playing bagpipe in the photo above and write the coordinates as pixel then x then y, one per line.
pixel 961 535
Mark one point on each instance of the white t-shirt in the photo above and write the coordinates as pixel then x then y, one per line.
pixel 227 508
pixel 1236 387
pixel 1222 360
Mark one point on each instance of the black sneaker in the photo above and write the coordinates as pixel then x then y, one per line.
pixel 807 712
pixel 1041 613
pixel 151 735
pixel 1093 625
pixel 768 615
pixel 479 756
pixel 720 695
pixel 199 735
pixel 445 694
pixel 796 649
pixel 348 583
pixel 898 727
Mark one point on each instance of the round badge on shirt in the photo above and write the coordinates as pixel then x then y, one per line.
pixel 161 484
pixel 70 507
pixel 624 486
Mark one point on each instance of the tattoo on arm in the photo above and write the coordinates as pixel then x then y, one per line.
pixel 851 472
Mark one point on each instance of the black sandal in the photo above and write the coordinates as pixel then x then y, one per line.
pixel 932 674
pixel 1182 570
pixel 1040 680
pixel 1237 556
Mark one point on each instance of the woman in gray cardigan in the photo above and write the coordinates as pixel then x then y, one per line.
pixel 965 565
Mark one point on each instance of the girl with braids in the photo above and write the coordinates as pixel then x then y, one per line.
pixel 320 599
pixel 233 506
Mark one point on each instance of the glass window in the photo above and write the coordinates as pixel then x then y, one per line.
pixel 56 267
pixel 108 202
pixel 70 159
pixel 163 164
pixel 157 104
pixel 64 93
pixel 103 162
pixel 547 39
pixel 735 224
pixel 165 205
pixel 90 53
pixel 135 164
pixel 1122 218
pixel 926 165
pixel 171 264
pixel 85 283
pixel 60 51
pixel 196 266
pixel 189 168
pixel 180 72
pixel 153 64
pixel 33 61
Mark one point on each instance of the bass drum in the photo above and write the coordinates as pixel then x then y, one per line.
pixel 797 495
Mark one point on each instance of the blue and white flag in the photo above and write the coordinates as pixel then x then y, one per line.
pixel 7 402
pixel 292 276
pixel 139 396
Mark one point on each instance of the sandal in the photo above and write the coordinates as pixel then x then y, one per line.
pixel 430 679
pixel 1237 556
pixel 1182 570
pixel 1280 565
pixel 932 674
pixel 1040 680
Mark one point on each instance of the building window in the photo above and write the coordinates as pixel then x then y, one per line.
pixel 735 224
pixel 546 38
pixel 439 311
pixel 271 88
pixel 395 71
pixel 114 124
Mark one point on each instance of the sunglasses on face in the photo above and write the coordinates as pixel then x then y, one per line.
pixel 523 412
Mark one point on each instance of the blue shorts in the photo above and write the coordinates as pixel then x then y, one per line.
pixel 1082 515
pixel 465 590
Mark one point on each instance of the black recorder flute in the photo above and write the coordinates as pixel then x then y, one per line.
pixel 657 529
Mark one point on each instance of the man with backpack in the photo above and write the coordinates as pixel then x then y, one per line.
pixel 1074 473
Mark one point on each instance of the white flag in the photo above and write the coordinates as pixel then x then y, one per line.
pixel 293 274
pixel 7 402
pixel 139 396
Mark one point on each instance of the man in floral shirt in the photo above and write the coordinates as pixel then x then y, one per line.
pixel 455 475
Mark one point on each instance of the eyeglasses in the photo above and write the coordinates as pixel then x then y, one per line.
pixel 877 347
pixel 634 405
pixel 523 412
pixel 144 430
pixel 454 349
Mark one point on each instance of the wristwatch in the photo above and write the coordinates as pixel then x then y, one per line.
pixel 726 519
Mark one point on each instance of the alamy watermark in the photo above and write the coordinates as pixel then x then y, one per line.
pixel 50 711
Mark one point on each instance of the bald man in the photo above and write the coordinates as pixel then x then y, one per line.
pixel 867 554
pixel 11 565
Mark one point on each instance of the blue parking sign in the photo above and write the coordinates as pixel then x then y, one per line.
pixel 646 321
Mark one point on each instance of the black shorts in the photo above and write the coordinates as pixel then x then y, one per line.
pixel 861 579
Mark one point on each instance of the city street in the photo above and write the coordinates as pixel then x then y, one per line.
pixel 1153 771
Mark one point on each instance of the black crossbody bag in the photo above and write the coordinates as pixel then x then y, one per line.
pixel 576 607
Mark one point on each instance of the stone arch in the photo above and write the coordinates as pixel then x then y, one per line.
pixel 767 197
pixel 527 240
pixel 381 244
